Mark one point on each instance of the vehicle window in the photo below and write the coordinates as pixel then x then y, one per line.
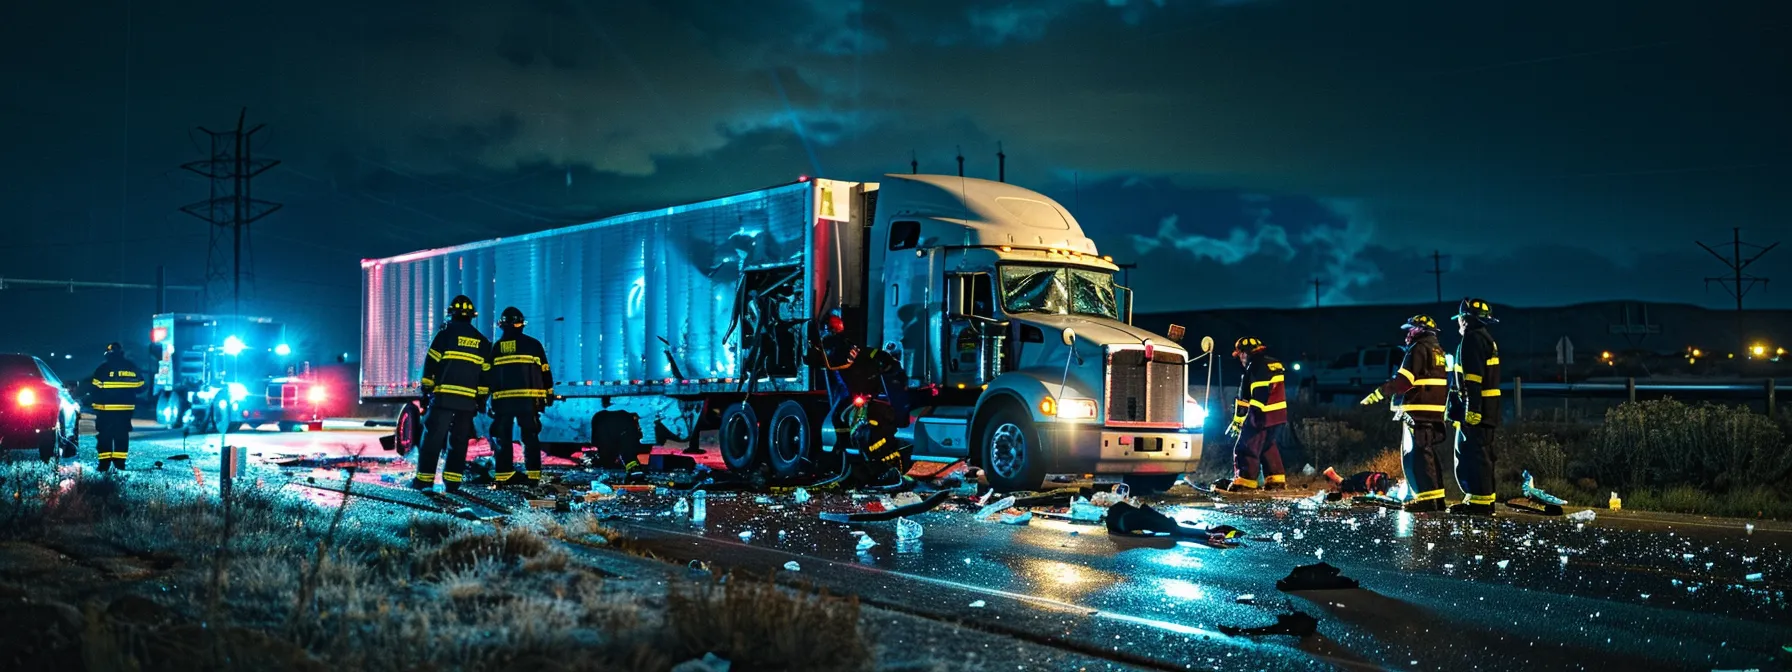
pixel 19 366
pixel 904 235
pixel 1375 358
pixel 982 296
pixel 48 375
pixel 1058 290
pixel 1345 361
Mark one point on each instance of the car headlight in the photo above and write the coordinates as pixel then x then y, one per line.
pixel 1076 409
pixel 1192 413
pixel 238 392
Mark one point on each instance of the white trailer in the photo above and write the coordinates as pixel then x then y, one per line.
pixel 1015 340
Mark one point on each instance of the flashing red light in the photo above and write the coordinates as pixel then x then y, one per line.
pixel 858 401
pixel 158 334
pixel 27 397
pixel 316 394
pixel 802 178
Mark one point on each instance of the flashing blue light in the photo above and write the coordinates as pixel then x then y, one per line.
pixel 1297 366
pixel 284 350
pixel 1192 414
pixel 233 346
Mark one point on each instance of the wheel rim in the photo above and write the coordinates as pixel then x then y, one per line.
pixel 407 427
pixel 736 437
pixel 787 438
pixel 1007 450
pixel 168 411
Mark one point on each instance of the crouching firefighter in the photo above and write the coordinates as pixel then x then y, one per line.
pixel 1475 407
pixel 868 394
pixel 1259 418
pixel 454 389
pixel 522 386
pixel 112 395
pixel 1419 390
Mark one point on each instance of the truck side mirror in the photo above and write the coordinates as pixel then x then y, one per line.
pixel 1206 344
pixel 1068 336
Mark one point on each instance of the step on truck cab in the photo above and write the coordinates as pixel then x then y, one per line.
pixel 1013 337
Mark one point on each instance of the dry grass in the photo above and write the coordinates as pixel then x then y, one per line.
pixel 762 626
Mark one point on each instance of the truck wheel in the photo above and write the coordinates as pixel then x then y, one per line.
pixel 741 437
pixel 288 426
pixel 168 410
pixel 409 431
pixel 793 440
pixel 1009 446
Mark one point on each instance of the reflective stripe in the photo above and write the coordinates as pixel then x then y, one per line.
pixel 452 477
pixel 1265 383
pixel 1280 405
pixel 1472 377
pixel 456 390
pixel 120 385
pixel 512 394
pixel 1430 381
pixel 426 478
pixel 1276 478
pixel 429 382
pixel 535 474
pixel 1493 361
pixel 435 354
pixel 1238 480
pixel 1422 407
pixel 1480 499
pixel 1242 402
pixel 463 356
pixel 1406 373
pixel 503 475
pixel 1490 393
pixel 1428 495
pixel 115 407
pixel 516 359
pixel 483 390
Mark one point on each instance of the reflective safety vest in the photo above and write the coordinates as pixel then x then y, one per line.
pixel 1421 386
pixel 1477 375
pixel 1262 399
pixel 115 386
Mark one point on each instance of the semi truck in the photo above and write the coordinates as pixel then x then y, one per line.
pixel 1015 341
pixel 224 372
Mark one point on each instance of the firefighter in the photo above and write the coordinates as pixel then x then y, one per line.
pixel 112 395
pixel 1419 390
pixel 870 400
pixel 455 385
pixel 1475 406
pixel 522 386
pixel 1260 416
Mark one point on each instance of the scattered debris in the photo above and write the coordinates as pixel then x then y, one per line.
pixel 988 512
pixel 1614 503
pixel 792 566
pixel 746 535
pixel 1246 598
pixel 1295 623
pixel 1083 511
pixel 866 542
pixel 979 604
pixel 710 662
pixel 682 508
pixel 1319 576
pixel 930 503
pixel 1753 577
pixel 801 496
pixel 907 530
pixel 1748 528
pixel 1530 490
pixel 178 457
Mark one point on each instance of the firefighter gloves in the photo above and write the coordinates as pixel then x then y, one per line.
pixel 1373 397
pixel 1237 426
pixel 1473 418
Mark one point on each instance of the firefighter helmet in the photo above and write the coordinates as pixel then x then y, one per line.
pixel 512 318
pixel 1248 345
pixel 462 308
pixel 114 348
pixel 1420 321
pixel 833 323
pixel 1475 308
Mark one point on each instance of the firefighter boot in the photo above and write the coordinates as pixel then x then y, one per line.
pixel 1425 506
pixel 1468 509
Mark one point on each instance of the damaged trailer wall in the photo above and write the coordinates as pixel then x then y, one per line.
pixel 600 296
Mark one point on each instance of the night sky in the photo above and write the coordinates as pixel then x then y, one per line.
pixel 1558 152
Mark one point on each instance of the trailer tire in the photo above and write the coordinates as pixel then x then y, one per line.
pixel 742 437
pixel 408 433
pixel 793 441
pixel 1008 445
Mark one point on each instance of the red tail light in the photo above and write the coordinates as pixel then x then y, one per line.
pixel 316 395
pixel 27 396
pixel 858 401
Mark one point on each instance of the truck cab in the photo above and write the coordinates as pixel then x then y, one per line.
pixel 998 305
pixel 218 373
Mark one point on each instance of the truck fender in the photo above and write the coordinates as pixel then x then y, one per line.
pixel 1024 387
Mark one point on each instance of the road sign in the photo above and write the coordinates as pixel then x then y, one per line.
pixel 1564 351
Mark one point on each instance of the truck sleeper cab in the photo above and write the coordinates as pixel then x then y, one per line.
pixel 1009 328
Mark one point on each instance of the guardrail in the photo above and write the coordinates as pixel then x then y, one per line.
pixel 1764 389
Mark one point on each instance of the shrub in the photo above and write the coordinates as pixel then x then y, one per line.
pixel 1669 443
pixel 761 626
pixel 1542 455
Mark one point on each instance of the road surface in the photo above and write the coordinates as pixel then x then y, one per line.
pixel 1627 591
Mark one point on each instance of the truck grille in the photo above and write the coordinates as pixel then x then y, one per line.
pixel 1145 394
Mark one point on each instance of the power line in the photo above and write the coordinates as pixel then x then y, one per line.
pixel 1738 283
pixel 230 170
pixel 1437 269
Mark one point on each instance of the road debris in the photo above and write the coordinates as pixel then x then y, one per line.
pixel 907 530
pixel 1319 576
pixel 865 543
pixel 881 513
pixel 1246 598
pixel 1583 516
pixel 792 566
pixel 979 604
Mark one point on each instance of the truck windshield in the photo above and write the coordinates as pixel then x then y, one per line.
pixel 1060 290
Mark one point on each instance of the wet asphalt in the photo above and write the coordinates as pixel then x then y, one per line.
pixel 1625 591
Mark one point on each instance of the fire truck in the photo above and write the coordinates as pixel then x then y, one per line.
pixel 224 373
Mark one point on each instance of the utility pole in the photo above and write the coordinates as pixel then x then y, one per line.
pixel 961 161
pixel 1437 269
pixel 1127 270
pixel 230 169
pixel 1738 283
pixel 1315 292
pixel 914 163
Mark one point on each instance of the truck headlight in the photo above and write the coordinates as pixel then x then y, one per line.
pixel 1192 413
pixel 238 392
pixel 1076 409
